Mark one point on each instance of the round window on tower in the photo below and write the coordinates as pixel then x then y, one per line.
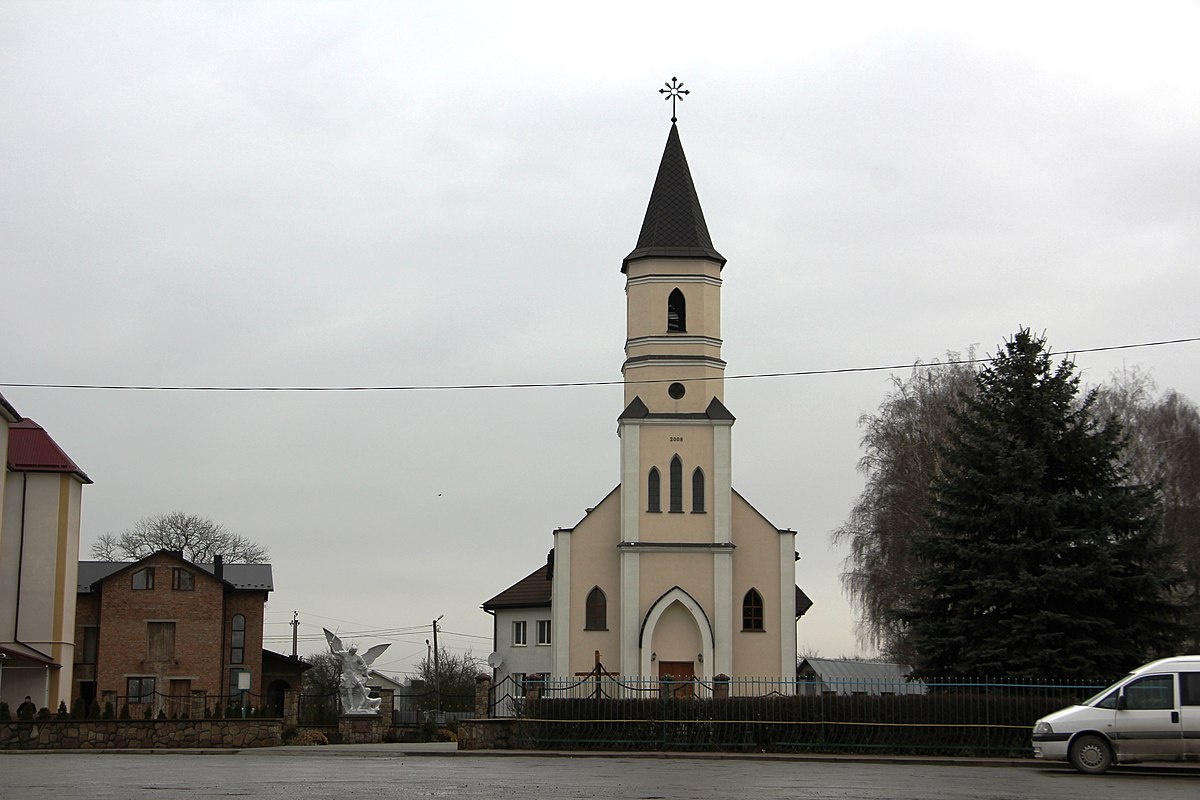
pixel 676 391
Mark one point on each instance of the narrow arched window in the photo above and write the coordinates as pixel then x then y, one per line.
pixel 654 491
pixel 596 616
pixel 237 639
pixel 698 491
pixel 752 611
pixel 676 485
pixel 676 312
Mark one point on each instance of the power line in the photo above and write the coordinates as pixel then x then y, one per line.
pixel 558 384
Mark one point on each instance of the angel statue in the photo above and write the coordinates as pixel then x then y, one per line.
pixel 355 695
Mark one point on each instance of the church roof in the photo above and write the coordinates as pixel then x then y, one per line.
pixel 30 449
pixel 532 590
pixel 674 226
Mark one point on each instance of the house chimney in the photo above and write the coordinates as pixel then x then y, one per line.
pixel 219 567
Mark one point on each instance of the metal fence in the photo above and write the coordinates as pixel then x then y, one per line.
pixel 953 716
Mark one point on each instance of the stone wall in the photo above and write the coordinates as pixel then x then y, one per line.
pixel 101 734
pixel 487 734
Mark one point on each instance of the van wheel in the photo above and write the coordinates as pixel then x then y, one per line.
pixel 1091 754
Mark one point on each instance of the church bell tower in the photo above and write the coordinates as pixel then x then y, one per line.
pixel 675 429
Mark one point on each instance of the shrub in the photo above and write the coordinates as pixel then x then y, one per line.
pixel 44 714
pixel 5 712
pixel 124 711
pixel 108 711
pixel 62 712
pixel 78 709
pixel 310 737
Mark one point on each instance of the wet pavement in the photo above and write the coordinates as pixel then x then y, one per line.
pixel 429 771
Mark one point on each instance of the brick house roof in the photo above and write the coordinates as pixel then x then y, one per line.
pixel 245 577
pixel 30 449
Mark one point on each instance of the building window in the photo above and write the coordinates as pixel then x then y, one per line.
pixel 520 637
pixel 182 580
pixel 161 636
pixel 654 491
pixel 518 684
pixel 543 631
pixel 752 611
pixel 91 644
pixel 698 491
pixel 139 690
pixel 237 639
pixel 676 485
pixel 144 578
pixel 676 313
pixel 596 608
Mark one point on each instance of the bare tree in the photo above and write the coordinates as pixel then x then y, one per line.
pixel 901 454
pixel 1163 450
pixel 453 675
pixel 198 538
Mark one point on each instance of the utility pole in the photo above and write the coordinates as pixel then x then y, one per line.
pixel 295 623
pixel 437 672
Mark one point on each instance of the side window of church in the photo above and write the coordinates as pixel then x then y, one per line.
pixel 752 611
pixel 144 578
pixel 676 313
pixel 698 491
pixel 543 631
pixel 596 616
pixel 654 491
pixel 676 485
pixel 519 635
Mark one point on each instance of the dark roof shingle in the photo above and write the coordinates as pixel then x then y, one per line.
pixel 674 226
pixel 532 590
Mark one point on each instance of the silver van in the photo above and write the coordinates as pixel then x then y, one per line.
pixel 1152 714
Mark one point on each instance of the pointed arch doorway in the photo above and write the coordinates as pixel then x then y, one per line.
pixel 677 643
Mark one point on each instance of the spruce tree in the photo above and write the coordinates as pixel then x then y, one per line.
pixel 1040 559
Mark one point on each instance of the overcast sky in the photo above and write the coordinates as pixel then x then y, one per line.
pixel 395 194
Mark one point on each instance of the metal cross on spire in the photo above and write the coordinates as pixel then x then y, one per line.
pixel 674 91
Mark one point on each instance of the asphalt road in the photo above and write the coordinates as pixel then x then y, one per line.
pixel 282 774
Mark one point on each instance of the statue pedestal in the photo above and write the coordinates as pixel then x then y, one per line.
pixel 361 728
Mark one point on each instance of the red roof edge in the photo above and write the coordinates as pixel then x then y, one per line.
pixel 30 449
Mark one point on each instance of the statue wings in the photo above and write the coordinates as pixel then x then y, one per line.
pixel 336 646
pixel 374 653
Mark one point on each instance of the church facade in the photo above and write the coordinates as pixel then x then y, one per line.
pixel 673 574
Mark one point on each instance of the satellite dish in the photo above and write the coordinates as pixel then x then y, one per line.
pixel 495 661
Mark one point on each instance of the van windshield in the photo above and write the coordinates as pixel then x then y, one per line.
pixel 1095 699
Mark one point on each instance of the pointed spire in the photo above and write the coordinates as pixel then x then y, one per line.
pixel 674 226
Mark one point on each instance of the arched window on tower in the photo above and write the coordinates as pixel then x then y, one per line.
pixel 676 313
pixel 676 485
pixel 654 491
pixel 752 611
pixel 698 491
pixel 596 611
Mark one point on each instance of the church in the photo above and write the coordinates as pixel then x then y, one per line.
pixel 673 575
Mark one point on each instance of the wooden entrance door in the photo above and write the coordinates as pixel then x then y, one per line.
pixel 677 678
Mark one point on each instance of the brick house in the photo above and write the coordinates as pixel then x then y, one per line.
pixel 154 631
